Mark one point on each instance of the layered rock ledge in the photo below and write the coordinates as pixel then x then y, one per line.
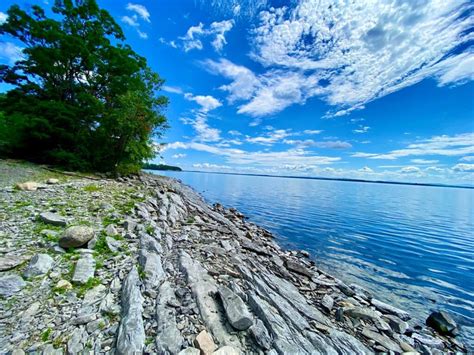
pixel 169 274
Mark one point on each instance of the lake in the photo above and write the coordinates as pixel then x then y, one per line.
pixel 412 246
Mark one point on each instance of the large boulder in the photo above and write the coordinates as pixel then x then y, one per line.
pixel 53 218
pixel 40 264
pixel 76 236
pixel 442 323
pixel 236 310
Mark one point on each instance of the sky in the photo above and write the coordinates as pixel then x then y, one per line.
pixel 365 89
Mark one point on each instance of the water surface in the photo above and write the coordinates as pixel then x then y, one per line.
pixel 412 246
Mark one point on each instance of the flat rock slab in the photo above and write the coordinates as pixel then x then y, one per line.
pixel 386 308
pixel 152 268
pixel 76 236
pixel 9 262
pixel 11 284
pixel 227 350
pixel 40 264
pixel 53 218
pixel 236 310
pixel 131 333
pixel 84 270
pixel 383 340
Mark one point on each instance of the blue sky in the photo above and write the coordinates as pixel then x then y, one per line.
pixel 379 90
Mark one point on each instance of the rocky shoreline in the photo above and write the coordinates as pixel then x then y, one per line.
pixel 144 265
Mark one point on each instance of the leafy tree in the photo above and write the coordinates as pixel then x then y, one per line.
pixel 82 98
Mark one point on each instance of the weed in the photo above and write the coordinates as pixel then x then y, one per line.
pixel 90 284
pixel 46 334
pixel 92 188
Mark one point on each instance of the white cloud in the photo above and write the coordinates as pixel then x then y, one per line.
pixel 468 158
pixel 131 21
pixel 312 131
pixel 361 129
pixel 325 144
pixel 259 158
pixel 458 145
pixel 354 52
pixel 464 168
pixel 234 133
pixel 10 52
pixel 172 89
pixel 270 138
pixel 410 170
pixel 217 30
pixel 179 156
pixel 424 161
pixel 208 166
pixel 366 169
pixel 140 10
pixel 3 17
pixel 206 102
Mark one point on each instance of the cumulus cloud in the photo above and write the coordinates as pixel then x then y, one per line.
pixel 366 169
pixel 410 170
pixel 179 156
pixel 458 145
pixel 206 102
pixel 217 30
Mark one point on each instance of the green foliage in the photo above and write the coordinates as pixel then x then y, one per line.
pixel 161 167
pixel 92 188
pixel 46 334
pixel 82 98
pixel 90 284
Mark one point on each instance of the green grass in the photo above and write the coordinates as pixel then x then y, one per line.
pixel 90 284
pixel 92 188
pixel 46 334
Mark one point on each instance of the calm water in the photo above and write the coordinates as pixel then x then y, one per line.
pixel 412 246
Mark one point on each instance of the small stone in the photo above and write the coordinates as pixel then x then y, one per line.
pixel 110 230
pixel 52 181
pixel 50 350
pixel 84 270
pixel 442 322
pixel 204 342
pixel 53 218
pixel 27 186
pixel 386 308
pixel 113 244
pixel 17 352
pixel 226 350
pixel 63 285
pixel 298 268
pixel 396 323
pixel 383 340
pixel 327 302
pixel 40 264
pixel 76 236
pixel 11 284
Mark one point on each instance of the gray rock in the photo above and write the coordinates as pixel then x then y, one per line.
pixel 113 244
pixel 227 350
pixel 9 262
pixel 76 236
pixel 442 323
pixel 52 181
pixel 236 310
pixel 40 264
pixel 396 323
pixel 110 230
pixel 383 340
pixel 50 350
pixel 131 333
pixel 327 302
pixel 53 218
pixel 298 268
pixel 150 244
pixel 11 284
pixel 386 308
pixel 361 312
pixel 168 339
pixel 345 289
pixel 429 341
pixel 75 345
pixel 84 270
pixel 261 336
pixel 152 268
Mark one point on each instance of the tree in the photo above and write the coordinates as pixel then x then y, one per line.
pixel 82 98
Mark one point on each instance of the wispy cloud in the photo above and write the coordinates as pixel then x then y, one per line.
pixel 217 30
pixel 140 10
pixel 458 145
pixel 361 129
pixel 464 167
pixel 137 12
pixel 345 52
pixel 424 161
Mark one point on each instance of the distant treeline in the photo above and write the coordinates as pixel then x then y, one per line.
pixel 161 167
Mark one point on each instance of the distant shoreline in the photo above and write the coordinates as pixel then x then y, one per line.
pixel 339 179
